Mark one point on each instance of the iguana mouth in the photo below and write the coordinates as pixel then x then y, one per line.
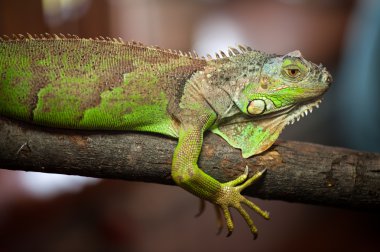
pixel 293 113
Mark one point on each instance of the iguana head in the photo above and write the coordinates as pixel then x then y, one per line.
pixel 288 85
pixel 277 92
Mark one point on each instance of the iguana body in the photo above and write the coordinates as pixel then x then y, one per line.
pixel 105 84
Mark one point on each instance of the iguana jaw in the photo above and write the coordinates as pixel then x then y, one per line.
pixel 293 113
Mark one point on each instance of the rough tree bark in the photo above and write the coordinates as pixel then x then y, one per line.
pixel 297 172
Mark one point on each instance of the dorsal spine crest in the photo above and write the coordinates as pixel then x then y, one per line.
pixel 232 51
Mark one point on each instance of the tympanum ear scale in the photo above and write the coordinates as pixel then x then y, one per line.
pixel 256 107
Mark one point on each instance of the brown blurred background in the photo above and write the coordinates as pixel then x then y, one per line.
pixel 73 214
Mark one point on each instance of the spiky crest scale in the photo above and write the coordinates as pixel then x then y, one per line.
pixel 232 51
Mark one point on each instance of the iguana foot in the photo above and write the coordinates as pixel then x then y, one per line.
pixel 229 196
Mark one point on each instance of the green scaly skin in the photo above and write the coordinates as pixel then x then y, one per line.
pixel 103 84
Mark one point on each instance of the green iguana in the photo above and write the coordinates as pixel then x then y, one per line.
pixel 246 97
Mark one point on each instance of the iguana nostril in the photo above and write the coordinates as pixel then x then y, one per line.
pixel 329 78
pixel 326 78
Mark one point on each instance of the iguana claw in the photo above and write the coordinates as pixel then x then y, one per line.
pixel 229 196
pixel 202 206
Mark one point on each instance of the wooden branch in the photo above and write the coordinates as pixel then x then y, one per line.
pixel 297 172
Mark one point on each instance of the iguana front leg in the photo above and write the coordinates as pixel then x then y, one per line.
pixel 188 175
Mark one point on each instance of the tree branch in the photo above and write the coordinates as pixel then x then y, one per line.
pixel 297 172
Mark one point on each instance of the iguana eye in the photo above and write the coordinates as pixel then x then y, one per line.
pixel 256 107
pixel 293 69
pixel 292 72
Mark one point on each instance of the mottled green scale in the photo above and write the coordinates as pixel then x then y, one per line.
pixel 15 78
pixel 92 84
